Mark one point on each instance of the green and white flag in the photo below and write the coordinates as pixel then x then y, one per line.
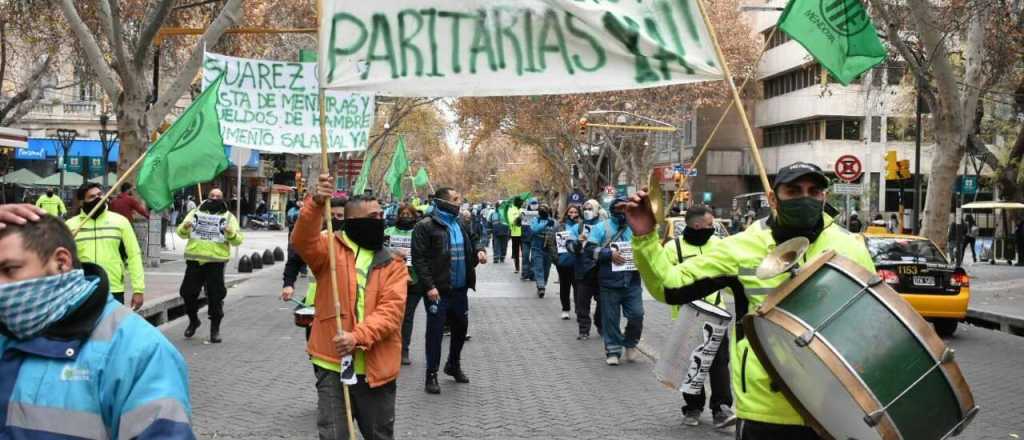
pixel 191 151
pixel 837 33
pixel 398 168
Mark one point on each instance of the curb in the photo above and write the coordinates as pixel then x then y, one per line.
pixel 1013 325
pixel 172 308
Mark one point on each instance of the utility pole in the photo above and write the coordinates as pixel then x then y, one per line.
pixel 65 138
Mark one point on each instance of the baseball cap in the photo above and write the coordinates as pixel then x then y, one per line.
pixel 792 172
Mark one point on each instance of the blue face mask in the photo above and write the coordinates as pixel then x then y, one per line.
pixel 29 307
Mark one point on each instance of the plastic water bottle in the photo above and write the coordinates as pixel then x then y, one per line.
pixel 433 308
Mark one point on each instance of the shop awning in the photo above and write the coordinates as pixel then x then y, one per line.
pixel 22 177
pixel 993 205
pixel 71 179
pixel 39 149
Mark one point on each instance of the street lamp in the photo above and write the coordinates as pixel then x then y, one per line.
pixel 65 137
pixel 605 112
pixel 107 138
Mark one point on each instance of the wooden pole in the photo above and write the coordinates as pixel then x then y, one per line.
pixel 120 180
pixel 331 258
pixel 736 100
pixel 721 119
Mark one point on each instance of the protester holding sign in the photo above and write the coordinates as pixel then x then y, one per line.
pixel 211 230
pixel 542 247
pixel 620 289
pixel 526 218
pixel 565 261
pixel 399 239
pixel 585 271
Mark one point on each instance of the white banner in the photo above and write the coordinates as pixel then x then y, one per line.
pixel 512 47
pixel 274 106
pixel 702 357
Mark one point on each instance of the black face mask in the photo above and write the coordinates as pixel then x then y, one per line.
pixel 447 206
pixel 697 237
pixel 337 225
pixel 543 215
pixel 405 223
pixel 49 193
pixel 366 232
pixel 214 206
pixel 88 206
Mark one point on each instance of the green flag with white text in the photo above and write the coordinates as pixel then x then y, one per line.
pixel 191 151
pixel 421 179
pixel 398 168
pixel 837 33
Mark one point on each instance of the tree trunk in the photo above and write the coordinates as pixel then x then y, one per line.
pixel 133 133
pixel 938 202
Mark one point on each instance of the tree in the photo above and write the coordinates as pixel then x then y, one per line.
pixel 117 39
pixel 956 51
pixel 28 46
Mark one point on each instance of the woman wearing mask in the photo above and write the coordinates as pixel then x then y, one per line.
pixel 566 260
pixel 542 238
pixel 399 239
pixel 585 271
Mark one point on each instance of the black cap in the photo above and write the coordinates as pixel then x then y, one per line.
pixel 796 170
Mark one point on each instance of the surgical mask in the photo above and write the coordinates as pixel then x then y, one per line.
pixel 29 307
pixel 88 206
pixel 589 214
pixel 368 233
pixel 800 213
pixel 697 237
pixel 213 206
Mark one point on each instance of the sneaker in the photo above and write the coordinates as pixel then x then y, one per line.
pixel 632 354
pixel 691 417
pixel 540 293
pixel 582 336
pixel 612 360
pixel 724 417
pixel 565 316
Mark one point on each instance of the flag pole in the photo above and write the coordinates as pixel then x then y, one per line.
pixel 110 191
pixel 736 99
pixel 331 258
pixel 725 113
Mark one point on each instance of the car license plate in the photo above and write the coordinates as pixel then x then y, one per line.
pixel 924 281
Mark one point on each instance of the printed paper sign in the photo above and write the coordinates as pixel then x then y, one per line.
pixel 348 371
pixel 274 106
pixel 528 217
pixel 209 227
pixel 701 358
pixel 625 249
pixel 560 239
pixel 512 47
pixel 403 245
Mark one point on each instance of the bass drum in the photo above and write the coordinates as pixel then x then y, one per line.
pixel 855 358
pixel 685 359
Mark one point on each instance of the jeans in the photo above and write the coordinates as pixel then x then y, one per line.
pixel 373 409
pixel 527 274
pixel 587 291
pixel 628 301
pixel 721 393
pixel 517 247
pixel 566 282
pixel 751 430
pixel 412 301
pixel 453 308
pixel 968 244
pixel 541 268
pixel 198 275
pixel 500 244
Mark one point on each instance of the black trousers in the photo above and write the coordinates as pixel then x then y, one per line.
pixel 721 393
pixel 751 430
pixel 412 301
pixel 587 290
pixel 517 247
pixel 968 244
pixel 210 275
pixel 373 409
pixel 566 281
pixel 452 309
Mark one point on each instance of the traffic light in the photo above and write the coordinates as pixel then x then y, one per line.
pixel 904 169
pixel 891 166
pixel 583 127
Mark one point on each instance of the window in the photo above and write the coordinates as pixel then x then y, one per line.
pixel 778 39
pixel 851 129
pixel 834 129
pixel 876 77
pixel 85 88
pixel 900 129
pixel 792 81
pixel 895 74
pixel 791 133
pixel 876 129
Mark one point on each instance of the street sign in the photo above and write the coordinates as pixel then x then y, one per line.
pixel 707 198
pixel 848 168
pixel 577 197
pixel 967 184
pixel 687 169
pixel 847 188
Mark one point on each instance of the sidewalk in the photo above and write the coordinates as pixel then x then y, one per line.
pixel 997 296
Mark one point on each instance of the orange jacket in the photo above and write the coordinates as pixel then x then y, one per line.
pixel 379 333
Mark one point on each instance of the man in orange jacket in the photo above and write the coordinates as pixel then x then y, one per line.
pixel 372 287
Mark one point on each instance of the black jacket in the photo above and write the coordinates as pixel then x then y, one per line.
pixel 292 266
pixel 432 259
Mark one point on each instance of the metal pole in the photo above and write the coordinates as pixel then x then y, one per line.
pixel 916 217
pixel 66 139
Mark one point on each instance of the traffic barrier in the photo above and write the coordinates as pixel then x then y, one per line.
pixel 244 265
pixel 257 260
pixel 268 258
pixel 278 254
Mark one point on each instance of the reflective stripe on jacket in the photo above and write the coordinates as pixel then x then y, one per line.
pixel 53 205
pixel 732 263
pixel 206 251
pixel 100 242
pixel 687 251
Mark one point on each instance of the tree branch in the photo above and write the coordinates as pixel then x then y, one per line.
pixel 116 36
pixel 28 91
pixel 104 74
pixel 892 29
pixel 149 31
pixel 229 15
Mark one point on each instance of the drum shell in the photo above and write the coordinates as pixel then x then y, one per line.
pixel 692 331
pixel 303 316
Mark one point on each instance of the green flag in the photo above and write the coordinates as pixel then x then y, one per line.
pixel 503 206
pixel 364 175
pixel 191 151
pixel 398 168
pixel 837 33
pixel 421 178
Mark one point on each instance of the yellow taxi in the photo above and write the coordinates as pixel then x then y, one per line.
pixel 921 273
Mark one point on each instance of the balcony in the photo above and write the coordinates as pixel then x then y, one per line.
pixel 80 108
pixel 808 103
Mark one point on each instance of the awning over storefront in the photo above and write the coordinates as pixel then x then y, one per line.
pixel 40 149
pixel 22 177
pixel 71 179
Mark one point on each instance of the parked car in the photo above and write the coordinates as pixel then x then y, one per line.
pixel 921 273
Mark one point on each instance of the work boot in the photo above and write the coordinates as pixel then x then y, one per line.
pixel 456 373
pixel 432 387
pixel 193 324
pixel 405 359
pixel 215 331
pixel 540 292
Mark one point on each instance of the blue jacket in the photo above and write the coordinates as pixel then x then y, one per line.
pixel 599 240
pixel 536 239
pixel 104 372
pixel 585 263
pixel 568 259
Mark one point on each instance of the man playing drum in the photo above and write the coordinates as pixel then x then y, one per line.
pixel 797 198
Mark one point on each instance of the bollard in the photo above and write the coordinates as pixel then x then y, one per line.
pixel 278 254
pixel 244 265
pixel 257 260
pixel 268 258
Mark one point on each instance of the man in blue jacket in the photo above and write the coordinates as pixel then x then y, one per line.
pixel 104 371
pixel 619 283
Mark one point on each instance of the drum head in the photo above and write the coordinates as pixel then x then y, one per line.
pixel 820 393
pixel 707 308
